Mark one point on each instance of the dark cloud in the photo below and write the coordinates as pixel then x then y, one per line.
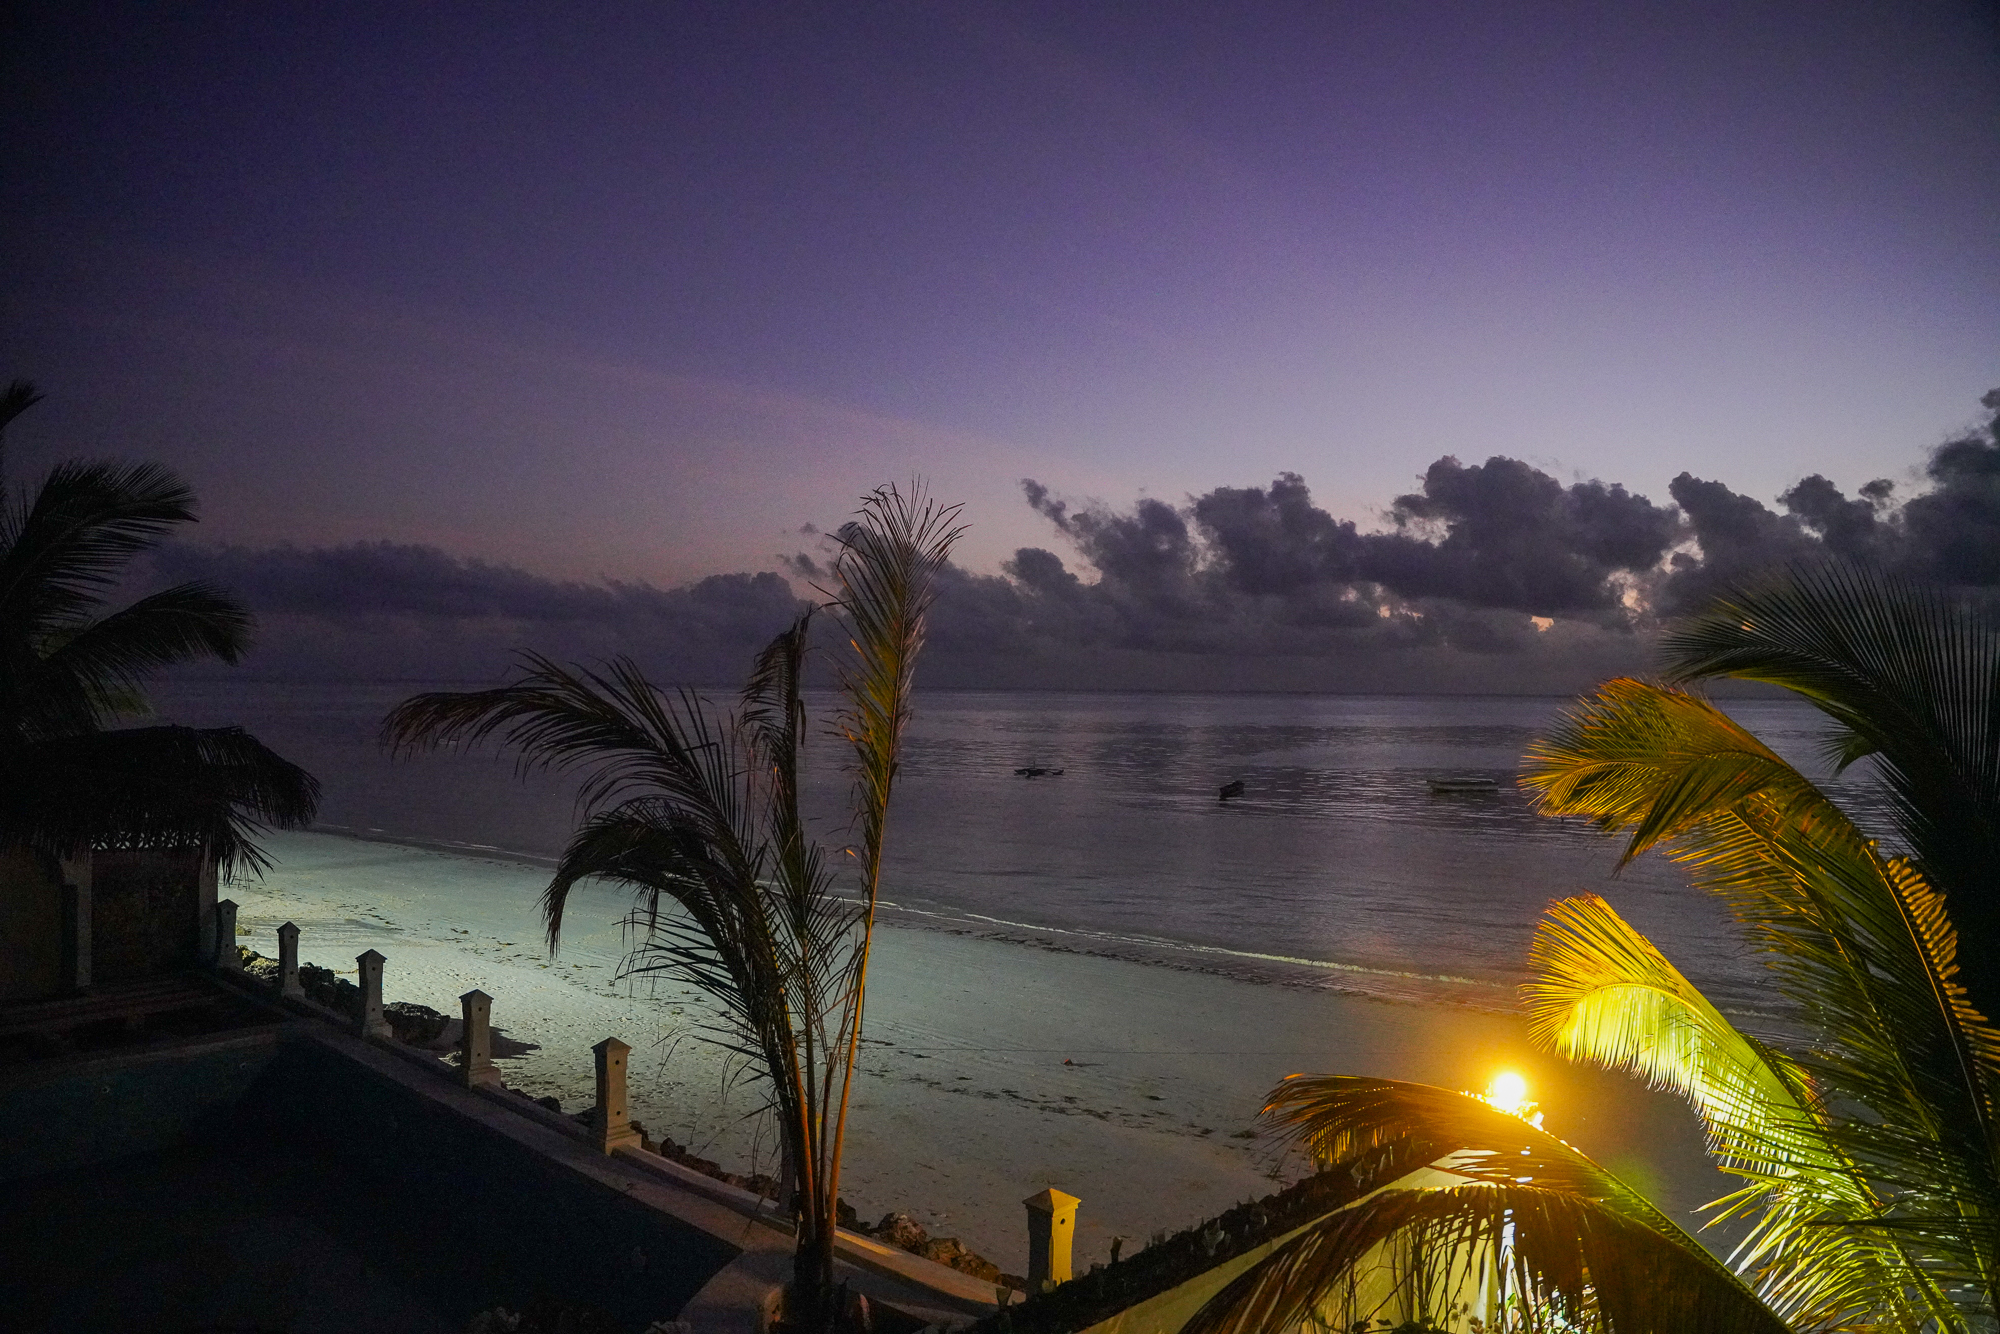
pixel 1849 528
pixel 385 610
pixel 1261 583
pixel 1263 570
pixel 1517 539
pixel 1952 532
pixel 1949 533
pixel 1277 541
pixel 1736 537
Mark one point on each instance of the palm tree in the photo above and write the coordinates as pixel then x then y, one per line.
pixel 69 781
pixel 1910 676
pixel 699 817
pixel 1861 1124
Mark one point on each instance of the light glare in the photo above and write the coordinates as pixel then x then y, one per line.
pixel 1508 1092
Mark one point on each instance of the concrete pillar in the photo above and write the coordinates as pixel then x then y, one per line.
pixel 78 907
pixel 225 935
pixel 76 914
pixel 611 1122
pixel 204 896
pixel 1051 1228
pixel 475 1041
pixel 288 963
pixel 371 1023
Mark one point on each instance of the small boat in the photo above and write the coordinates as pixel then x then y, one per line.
pixel 1232 789
pixel 1441 785
pixel 1036 771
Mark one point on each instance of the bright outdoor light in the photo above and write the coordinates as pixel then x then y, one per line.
pixel 1508 1092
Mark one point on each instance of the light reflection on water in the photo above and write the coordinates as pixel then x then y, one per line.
pixel 1337 867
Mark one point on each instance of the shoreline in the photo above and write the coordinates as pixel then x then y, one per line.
pixel 1388 985
pixel 994 1067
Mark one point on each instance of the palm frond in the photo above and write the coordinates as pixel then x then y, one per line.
pixel 91 673
pixel 152 787
pixel 1559 1260
pixel 1530 1201
pixel 886 579
pixel 85 524
pixel 1853 939
pixel 1600 992
pixel 610 727
pixel 1348 1118
pixel 17 398
pixel 1910 675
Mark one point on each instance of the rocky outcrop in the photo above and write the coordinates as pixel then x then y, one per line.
pixel 905 1233
pixel 546 1315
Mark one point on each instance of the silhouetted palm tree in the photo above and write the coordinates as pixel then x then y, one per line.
pixel 1862 1124
pixel 699 818
pixel 69 670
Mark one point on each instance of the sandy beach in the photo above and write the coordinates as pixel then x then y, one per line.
pixel 993 1068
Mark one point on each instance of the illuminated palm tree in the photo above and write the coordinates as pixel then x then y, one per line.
pixel 699 818
pixel 1862 1125
pixel 1910 676
pixel 69 780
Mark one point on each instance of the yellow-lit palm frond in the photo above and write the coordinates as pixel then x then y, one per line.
pixel 1855 940
pixel 1600 992
pixel 1569 1241
pixel 1564 1263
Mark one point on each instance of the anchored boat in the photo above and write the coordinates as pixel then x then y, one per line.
pixel 1463 784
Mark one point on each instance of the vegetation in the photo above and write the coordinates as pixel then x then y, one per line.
pixel 1861 1126
pixel 699 817
pixel 69 670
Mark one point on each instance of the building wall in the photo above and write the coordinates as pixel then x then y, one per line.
pixel 31 928
pixel 148 908
pixel 145 911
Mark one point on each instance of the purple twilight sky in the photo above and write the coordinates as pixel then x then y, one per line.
pixel 637 290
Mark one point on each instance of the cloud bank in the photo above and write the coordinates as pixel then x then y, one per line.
pixel 1492 576
pixel 386 611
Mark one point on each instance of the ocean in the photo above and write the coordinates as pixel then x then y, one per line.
pixel 1336 869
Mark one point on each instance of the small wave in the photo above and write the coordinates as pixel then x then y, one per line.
pixel 1262 968
pixel 450 847
pixel 1161 942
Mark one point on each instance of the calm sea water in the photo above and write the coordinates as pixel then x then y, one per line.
pixel 1337 868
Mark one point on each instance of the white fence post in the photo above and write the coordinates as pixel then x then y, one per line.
pixel 371 1024
pixel 611 1124
pixel 475 1040
pixel 225 936
pixel 289 985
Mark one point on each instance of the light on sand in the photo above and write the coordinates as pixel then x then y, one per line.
pixel 1508 1092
